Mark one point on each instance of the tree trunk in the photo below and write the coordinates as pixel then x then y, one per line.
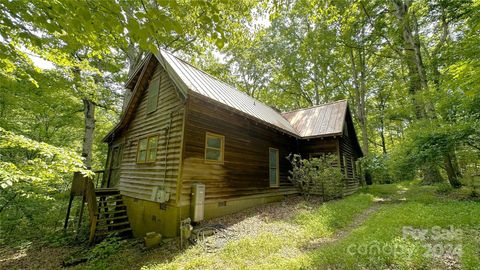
pixel 382 136
pixel 411 56
pixel 431 174
pixel 359 86
pixel 452 175
pixel 416 73
pixel 89 112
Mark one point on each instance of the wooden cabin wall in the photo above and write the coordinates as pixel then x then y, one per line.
pixel 348 158
pixel 327 145
pixel 245 168
pixel 341 146
pixel 139 180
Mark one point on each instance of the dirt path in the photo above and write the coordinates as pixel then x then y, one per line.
pixel 357 222
pixel 342 234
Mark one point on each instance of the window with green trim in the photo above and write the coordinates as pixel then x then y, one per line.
pixel 214 147
pixel 147 149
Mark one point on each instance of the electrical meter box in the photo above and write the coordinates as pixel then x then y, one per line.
pixel 197 205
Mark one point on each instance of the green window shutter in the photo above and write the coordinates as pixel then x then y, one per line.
pixel 152 99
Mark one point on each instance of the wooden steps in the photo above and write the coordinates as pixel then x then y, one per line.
pixel 111 215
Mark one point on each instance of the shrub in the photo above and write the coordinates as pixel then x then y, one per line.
pixel 316 176
pixel 444 188
pixel 375 168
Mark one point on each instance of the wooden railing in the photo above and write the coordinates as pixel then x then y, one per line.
pixel 83 186
pixel 98 178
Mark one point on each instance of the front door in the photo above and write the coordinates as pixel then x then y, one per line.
pixel 114 168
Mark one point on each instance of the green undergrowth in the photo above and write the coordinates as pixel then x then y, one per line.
pixel 277 249
pixel 382 241
pixel 385 240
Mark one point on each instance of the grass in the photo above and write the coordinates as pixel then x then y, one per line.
pixel 411 206
pixel 282 247
pixel 423 208
pixel 362 231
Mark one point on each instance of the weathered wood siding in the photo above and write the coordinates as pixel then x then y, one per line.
pixel 342 147
pixel 327 145
pixel 348 158
pixel 245 169
pixel 138 180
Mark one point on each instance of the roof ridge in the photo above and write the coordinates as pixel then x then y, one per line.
pixel 221 81
pixel 316 106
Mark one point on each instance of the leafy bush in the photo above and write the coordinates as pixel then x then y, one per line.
pixel 376 167
pixel 34 177
pixel 316 176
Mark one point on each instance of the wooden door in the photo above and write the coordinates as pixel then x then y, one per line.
pixel 114 168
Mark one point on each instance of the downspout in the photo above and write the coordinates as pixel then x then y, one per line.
pixel 167 140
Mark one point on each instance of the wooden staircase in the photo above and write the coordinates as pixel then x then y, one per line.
pixel 110 215
pixel 107 212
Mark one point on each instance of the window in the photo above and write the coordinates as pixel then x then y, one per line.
pixel 273 167
pixel 152 92
pixel 214 146
pixel 147 149
pixel 152 149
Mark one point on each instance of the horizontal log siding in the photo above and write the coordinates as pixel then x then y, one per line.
pixel 320 145
pixel 347 153
pixel 138 180
pixel 245 168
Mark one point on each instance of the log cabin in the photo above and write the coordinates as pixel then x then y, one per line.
pixel 182 127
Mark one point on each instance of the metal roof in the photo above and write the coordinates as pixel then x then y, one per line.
pixel 323 120
pixel 190 78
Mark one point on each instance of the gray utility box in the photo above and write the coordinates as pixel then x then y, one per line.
pixel 197 204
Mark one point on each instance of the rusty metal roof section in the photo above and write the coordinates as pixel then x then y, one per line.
pixel 319 121
pixel 189 78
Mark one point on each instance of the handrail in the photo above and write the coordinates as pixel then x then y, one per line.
pixel 92 206
pixel 98 177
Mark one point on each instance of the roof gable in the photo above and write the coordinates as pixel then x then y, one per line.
pixel 319 121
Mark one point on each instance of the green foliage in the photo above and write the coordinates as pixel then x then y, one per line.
pixel 106 248
pixel 33 179
pixel 316 176
pixel 385 229
pixel 376 167
pixel 444 188
pixel 282 246
pixel 26 164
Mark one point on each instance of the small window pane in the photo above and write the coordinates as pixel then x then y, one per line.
pixel 273 167
pixel 213 154
pixel 273 176
pixel 152 154
pixel 142 156
pixel 143 144
pixel 142 151
pixel 273 159
pixel 214 142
